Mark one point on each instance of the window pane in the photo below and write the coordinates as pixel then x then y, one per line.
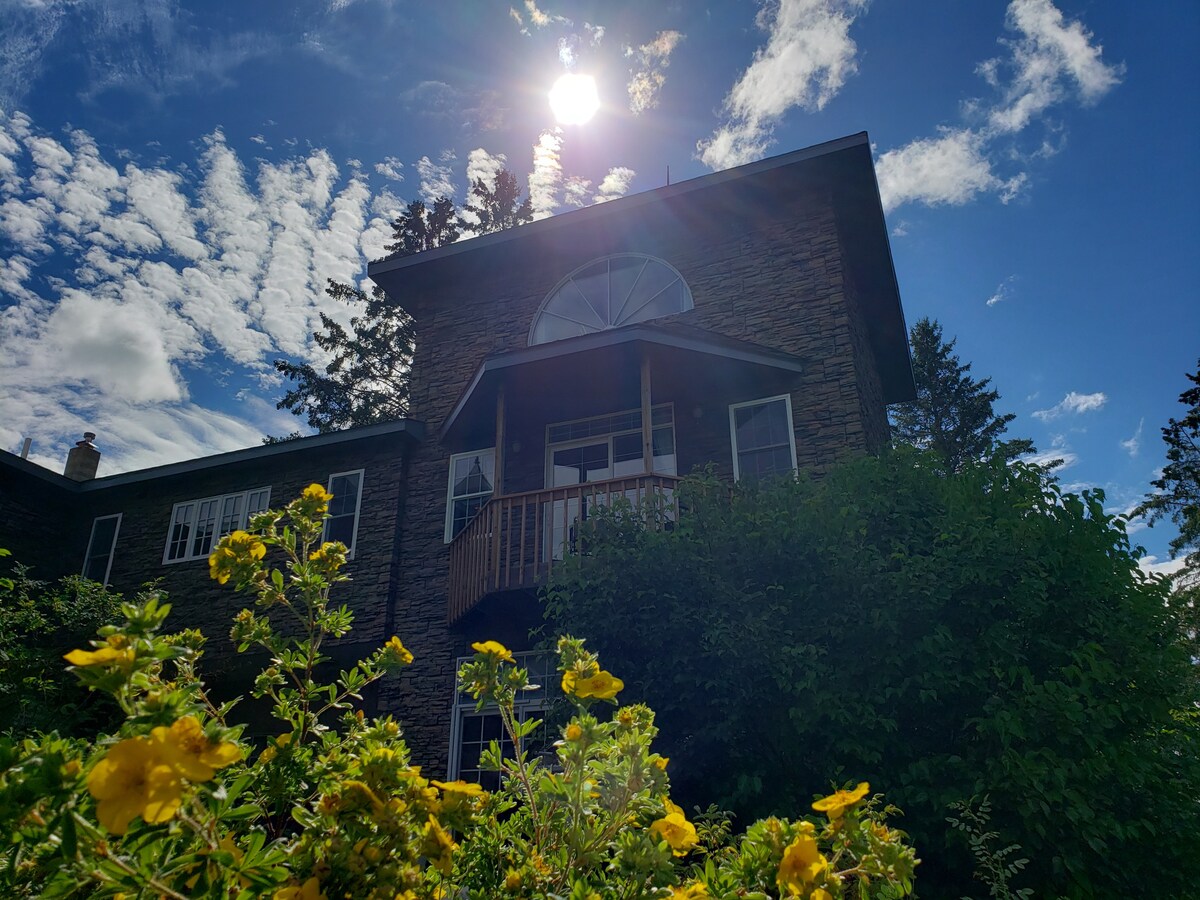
pixel 206 523
pixel 181 531
pixel 345 494
pixel 104 532
pixel 760 426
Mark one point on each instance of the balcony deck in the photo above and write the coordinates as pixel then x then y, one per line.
pixel 516 540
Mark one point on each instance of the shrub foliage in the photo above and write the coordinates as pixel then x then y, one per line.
pixel 959 635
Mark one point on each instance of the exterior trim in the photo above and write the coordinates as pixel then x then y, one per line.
pixel 362 481
pixel 112 549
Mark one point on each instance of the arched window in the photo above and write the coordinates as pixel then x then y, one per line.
pixel 606 293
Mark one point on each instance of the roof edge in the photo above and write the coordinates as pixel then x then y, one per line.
pixel 407 428
pixel 611 207
pixel 611 337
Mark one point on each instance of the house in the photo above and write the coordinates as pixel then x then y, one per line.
pixel 748 319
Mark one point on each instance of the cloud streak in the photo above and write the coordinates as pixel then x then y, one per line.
pixel 649 73
pixel 1072 404
pixel 1050 62
pixel 805 62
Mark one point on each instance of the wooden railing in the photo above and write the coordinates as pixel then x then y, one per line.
pixel 516 540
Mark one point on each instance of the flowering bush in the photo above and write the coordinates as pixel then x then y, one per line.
pixel 177 804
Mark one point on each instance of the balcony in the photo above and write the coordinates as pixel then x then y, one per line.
pixel 516 540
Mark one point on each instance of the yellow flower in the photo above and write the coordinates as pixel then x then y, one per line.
pixel 101 656
pixel 397 651
pixel 310 890
pixel 820 894
pixel 494 648
pixel 802 864
pixel 839 801
pixel 313 502
pixel 512 880
pixel 676 831
pixel 185 749
pixel 465 788
pixel 273 749
pixel 331 554
pixel 132 780
pixel 574 732
pixel 602 686
pixel 235 551
pixel 438 847
pixel 660 762
pixel 693 891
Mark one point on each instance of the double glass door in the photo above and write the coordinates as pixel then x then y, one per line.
pixel 599 449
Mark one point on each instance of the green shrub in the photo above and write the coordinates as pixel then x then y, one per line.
pixel 976 633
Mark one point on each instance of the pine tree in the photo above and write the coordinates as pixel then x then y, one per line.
pixel 367 380
pixel 419 228
pixel 498 207
pixel 1177 492
pixel 953 414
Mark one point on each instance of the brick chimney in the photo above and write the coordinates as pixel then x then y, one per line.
pixel 83 460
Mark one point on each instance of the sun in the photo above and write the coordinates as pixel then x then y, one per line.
pixel 573 99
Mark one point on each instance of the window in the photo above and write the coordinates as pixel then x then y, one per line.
pixel 471 478
pixel 197 525
pixel 342 524
pixel 472 730
pixel 764 445
pixel 97 561
pixel 610 292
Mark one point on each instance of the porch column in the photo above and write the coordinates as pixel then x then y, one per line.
pixel 647 433
pixel 498 480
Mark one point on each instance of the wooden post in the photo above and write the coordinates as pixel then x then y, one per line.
pixel 647 430
pixel 498 480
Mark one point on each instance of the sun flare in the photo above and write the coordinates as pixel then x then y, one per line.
pixel 573 99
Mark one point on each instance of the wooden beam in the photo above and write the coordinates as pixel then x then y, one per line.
pixel 498 480
pixel 647 430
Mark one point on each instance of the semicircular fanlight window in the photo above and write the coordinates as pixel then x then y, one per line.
pixel 608 293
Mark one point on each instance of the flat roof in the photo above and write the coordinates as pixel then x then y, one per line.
pixel 407 428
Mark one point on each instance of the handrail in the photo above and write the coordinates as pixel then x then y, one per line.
pixel 515 540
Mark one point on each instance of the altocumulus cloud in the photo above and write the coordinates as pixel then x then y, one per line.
pixel 1072 404
pixel 121 282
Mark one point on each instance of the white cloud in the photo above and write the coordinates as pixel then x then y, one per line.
pixel 484 166
pixel 595 33
pixel 539 19
pixel 437 179
pixel 649 75
pixel 805 62
pixel 575 191
pixel 546 177
pixel 1072 404
pixel 1059 452
pixel 615 184
pixel 390 168
pixel 950 169
pixel 1133 444
pixel 1001 292
pixel 1050 62
pixel 164 272
pixel 1151 565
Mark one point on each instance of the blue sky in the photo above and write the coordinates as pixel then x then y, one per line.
pixel 178 180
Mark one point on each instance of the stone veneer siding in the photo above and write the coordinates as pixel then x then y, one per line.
pixel 768 270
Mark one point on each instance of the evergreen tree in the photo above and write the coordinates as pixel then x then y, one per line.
pixel 1177 493
pixel 419 228
pixel 497 207
pixel 367 380
pixel 952 414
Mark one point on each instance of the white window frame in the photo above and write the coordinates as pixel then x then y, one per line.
pixel 762 401
pixel 362 478
pixel 448 534
pixel 112 547
pixel 191 508
pixel 610 437
pixel 542 669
